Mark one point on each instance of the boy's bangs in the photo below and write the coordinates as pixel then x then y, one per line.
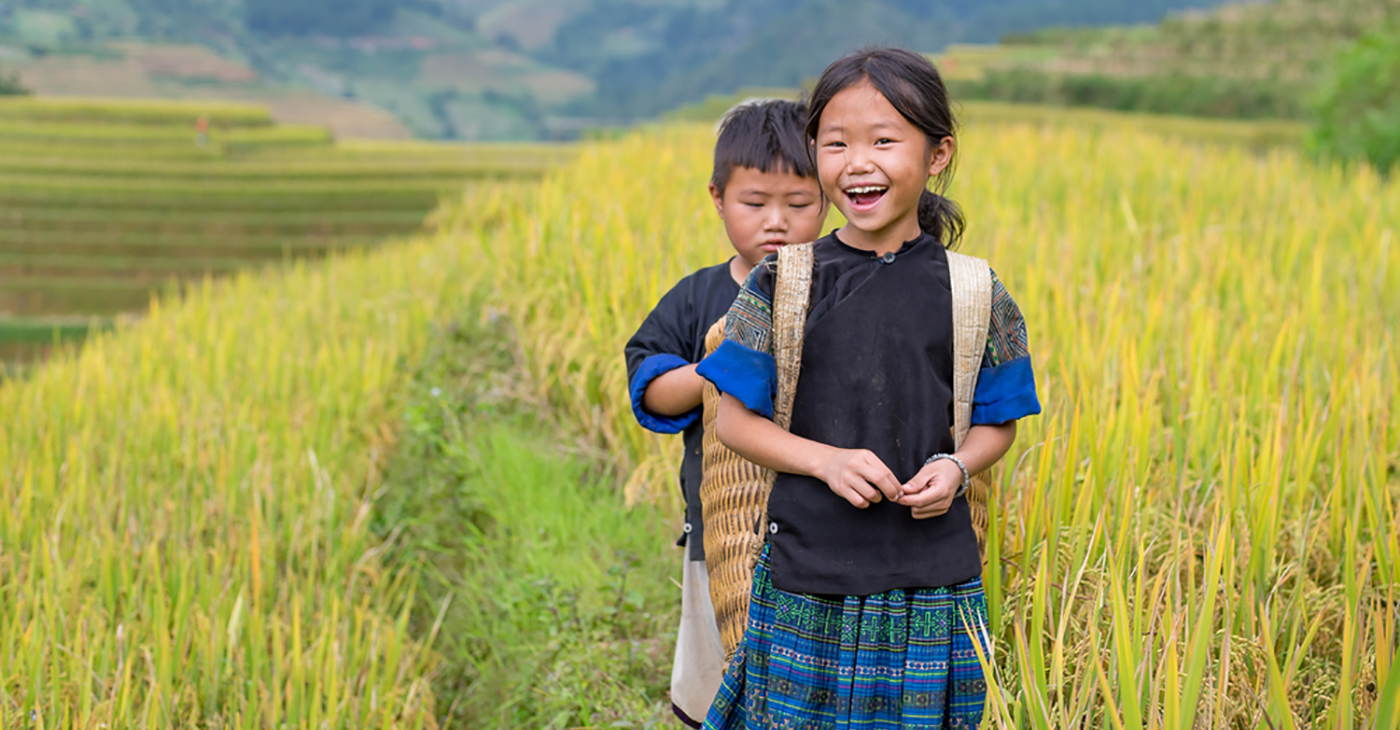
pixel 764 135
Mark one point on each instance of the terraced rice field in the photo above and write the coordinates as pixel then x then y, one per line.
pixel 103 203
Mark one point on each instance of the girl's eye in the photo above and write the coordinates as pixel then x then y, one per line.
pixel 884 140
pixel 835 144
pixel 800 206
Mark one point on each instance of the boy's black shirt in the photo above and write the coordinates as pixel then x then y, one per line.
pixel 677 326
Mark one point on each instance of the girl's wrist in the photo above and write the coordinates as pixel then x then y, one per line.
pixel 962 468
pixel 822 459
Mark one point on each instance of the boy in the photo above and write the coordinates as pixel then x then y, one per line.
pixel 765 189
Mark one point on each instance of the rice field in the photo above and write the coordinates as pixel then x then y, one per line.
pixel 105 202
pixel 1200 530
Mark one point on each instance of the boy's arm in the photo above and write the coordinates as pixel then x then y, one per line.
pixel 659 350
pixel 675 393
pixel 856 475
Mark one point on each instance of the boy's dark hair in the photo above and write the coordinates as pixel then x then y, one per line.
pixel 765 135
pixel 915 89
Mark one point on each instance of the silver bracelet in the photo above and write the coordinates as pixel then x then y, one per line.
pixel 962 488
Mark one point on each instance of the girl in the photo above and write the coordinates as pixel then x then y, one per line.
pixel 869 584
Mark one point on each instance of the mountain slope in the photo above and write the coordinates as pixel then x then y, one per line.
pixel 1245 60
pixel 646 58
pixel 530 68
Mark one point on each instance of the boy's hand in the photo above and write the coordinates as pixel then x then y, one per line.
pixel 859 477
pixel 930 492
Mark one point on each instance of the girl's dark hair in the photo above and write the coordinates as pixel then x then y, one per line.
pixel 916 90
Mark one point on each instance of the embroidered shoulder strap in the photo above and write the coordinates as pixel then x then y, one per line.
pixel 791 296
pixel 972 315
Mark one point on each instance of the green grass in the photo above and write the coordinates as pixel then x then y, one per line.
pixel 75 296
pixel 252 220
pixel 135 111
pixel 162 196
pixel 117 133
pixel 387 172
pixel 214 186
pixel 194 244
pixel 17 147
pixel 45 331
pixel 83 264
pixel 551 603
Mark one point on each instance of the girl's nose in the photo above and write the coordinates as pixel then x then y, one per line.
pixel 857 163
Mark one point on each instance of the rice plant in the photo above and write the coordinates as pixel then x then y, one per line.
pixel 184 509
pixel 1200 530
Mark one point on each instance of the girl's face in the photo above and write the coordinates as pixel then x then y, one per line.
pixel 873 164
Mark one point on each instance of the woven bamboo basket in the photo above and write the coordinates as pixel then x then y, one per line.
pixel 733 499
pixel 733 491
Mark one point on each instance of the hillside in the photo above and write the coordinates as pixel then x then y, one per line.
pixel 673 58
pixel 491 69
pixel 103 204
pixel 1250 59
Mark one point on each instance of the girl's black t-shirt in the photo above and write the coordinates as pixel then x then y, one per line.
pixel 877 374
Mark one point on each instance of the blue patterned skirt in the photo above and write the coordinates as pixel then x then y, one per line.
pixel 900 659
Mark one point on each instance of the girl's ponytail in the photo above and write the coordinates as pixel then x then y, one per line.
pixel 941 218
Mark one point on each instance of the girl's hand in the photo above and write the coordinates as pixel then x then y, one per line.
pixel 930 492
pixel 859 477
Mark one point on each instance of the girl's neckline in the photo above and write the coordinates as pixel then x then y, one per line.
pixel 907 245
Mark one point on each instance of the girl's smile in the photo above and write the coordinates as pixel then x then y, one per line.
pixel 874 164
pixel 865 197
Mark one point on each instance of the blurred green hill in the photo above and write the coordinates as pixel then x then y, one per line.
pixel 486 69
pixel 1245 60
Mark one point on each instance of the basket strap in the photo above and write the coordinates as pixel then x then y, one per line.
pixel 791 295
pixel 971 279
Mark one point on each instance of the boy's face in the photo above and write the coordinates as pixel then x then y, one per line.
pixel 764 211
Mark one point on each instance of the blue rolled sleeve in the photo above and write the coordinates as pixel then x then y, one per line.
pixel 1005 393
pixel 747 374
pixel 651 369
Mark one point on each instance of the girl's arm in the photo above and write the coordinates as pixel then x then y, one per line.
pixel 675 393
pixel 856 475
pixel 930 492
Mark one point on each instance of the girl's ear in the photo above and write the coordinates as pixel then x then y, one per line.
pixel 718 197
pixel 941 155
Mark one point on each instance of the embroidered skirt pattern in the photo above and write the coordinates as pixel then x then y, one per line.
pixel 900 659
